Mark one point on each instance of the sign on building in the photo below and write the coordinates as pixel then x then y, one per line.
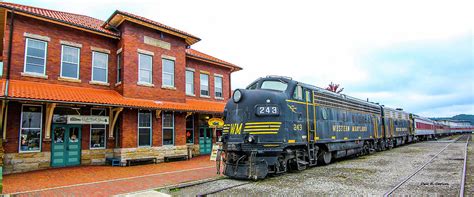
pixel 78 119
pixel 216 123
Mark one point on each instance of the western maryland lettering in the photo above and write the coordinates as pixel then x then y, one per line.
pixel 347 128
pixel 401 129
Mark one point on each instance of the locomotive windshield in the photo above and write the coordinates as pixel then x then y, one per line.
pixel 274 85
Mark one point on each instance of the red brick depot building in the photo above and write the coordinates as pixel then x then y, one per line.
pixel 76 90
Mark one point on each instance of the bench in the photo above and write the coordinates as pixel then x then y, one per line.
pixel 176 158
pixel 140 161
pixel 113 161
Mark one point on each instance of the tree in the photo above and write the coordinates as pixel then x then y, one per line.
pixel 334 88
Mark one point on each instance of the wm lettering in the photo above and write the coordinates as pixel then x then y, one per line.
pixel 235 129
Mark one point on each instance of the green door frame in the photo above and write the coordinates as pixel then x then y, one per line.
pixel 66 151
pixel 205 142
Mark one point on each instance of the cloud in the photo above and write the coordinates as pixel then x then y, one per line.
pixel 420 76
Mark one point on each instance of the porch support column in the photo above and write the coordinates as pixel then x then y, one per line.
pixel 113 115
pixel 3 119
pixel 49 118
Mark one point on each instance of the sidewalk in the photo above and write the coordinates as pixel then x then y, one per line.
pixel 107 180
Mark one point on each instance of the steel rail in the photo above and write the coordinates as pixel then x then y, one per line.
pixel 463 176
pixel 222 189
pixel 419 169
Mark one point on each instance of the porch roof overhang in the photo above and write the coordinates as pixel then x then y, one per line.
pixel 56 93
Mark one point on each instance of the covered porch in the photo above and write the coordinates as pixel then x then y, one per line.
pixel 47 125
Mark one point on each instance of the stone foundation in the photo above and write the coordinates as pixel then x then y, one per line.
pixel 95 156
pixel 196 150
pixel 159 153
pixel 24 162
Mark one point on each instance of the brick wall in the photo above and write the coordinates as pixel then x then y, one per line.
pixel 199 66
pixel 53 61
pixel 133 39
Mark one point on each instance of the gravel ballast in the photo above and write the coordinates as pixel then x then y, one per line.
pixel 371 175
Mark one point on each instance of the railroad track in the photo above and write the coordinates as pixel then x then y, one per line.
pixel 463 176
pixel 222 189
pixel 209 186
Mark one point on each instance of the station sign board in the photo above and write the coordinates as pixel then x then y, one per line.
pixel 79 119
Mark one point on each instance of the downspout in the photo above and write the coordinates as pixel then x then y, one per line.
pixel 230 82
pixel 7 83
pixel 10 43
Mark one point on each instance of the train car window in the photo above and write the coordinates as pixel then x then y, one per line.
pixel 308 96
pixel 274 85
pixel 324 113
pixel 298 93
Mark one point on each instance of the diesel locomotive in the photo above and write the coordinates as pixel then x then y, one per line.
pixel 277 125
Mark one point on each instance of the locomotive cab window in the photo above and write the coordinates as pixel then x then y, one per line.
pixel 274 85
pixel 298 93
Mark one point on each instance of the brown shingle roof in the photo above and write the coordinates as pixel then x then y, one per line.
pixel 202 56
pixel 78 20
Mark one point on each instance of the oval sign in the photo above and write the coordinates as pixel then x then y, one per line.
pixel 215 123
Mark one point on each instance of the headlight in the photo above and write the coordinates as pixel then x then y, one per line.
pixel 251 139
pixel 237 96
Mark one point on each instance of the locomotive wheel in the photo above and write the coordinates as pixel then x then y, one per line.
pixel 325 157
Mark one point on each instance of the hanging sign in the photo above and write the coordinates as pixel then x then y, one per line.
pixel 78 119
pixel 215 123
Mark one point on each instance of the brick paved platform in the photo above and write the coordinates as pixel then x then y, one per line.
pixel 107 180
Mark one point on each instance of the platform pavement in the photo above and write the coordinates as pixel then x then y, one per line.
pixel 107 180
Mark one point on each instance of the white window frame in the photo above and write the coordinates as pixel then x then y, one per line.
pixel 106 67
pixel 138 128
pixel 200 85
pixel 105 131
pixel 192 83
pixel 119 68
pixel 21 129
pixel 78 61
pixel 222 87
pixel 45 56
pixel 163 127
pixel 139 68
pixel 163 73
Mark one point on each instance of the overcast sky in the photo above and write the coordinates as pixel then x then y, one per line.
pixel 416 55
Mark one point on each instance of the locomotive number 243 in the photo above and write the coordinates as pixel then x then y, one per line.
pixel 267 110
pixel 297 127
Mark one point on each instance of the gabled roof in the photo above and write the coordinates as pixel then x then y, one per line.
pixel 119 16
pixel 27 90
pixel 95 25
pixel 191 53
pixel 76 20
